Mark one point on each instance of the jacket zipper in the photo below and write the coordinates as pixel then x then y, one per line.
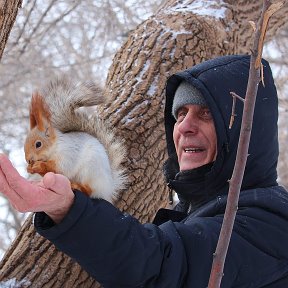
pixel 189 208
pixel 170 193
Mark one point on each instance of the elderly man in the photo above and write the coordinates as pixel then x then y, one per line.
pixel 177 250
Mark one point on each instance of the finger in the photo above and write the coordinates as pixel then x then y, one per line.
pixel 9 172
pixel 16 188
pixel 56 182
pixel 5 188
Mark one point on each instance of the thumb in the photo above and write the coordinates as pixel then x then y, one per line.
pixel 56 182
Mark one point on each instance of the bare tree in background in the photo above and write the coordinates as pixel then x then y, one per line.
pixel 51 37
pixel 178 36
pixel 278 59
pixel 8 13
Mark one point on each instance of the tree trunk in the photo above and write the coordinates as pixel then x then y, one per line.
pixel 173 39
pixel 8 13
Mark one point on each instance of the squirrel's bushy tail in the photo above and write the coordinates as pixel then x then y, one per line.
pixel 64 99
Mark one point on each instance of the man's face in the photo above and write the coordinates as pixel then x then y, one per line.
pixel 194 137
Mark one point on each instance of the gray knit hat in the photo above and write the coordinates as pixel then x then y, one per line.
pixel 186 94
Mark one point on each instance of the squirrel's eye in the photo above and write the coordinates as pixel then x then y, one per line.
pixel 38 144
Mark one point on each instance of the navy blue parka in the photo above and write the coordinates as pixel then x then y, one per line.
pixel 118 251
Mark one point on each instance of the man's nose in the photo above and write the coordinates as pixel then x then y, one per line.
pixel 189 124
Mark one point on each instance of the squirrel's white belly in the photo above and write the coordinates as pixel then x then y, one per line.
pixel 80 158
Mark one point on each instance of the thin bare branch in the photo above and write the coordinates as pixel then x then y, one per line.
pixel 233 115
pixel 267 15
pixel 25 22
pixel 242 152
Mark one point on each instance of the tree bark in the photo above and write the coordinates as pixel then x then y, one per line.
pixel 175 38
pixel 8 13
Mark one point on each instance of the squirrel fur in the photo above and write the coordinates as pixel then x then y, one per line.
pixel 67 140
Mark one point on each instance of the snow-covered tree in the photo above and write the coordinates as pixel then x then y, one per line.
pixel 179 35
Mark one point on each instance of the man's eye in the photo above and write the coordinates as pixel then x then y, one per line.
pixel 206 114
pixel 181 115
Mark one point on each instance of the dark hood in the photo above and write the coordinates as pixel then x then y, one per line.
pixel 215 79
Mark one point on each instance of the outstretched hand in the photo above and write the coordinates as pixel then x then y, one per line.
pixel 52 195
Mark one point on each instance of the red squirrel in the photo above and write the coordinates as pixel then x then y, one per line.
pixel 66 140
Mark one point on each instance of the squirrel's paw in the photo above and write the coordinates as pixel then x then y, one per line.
pixel 41 167
pixel 81 187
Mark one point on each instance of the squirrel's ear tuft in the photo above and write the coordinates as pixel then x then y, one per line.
pixel 39 112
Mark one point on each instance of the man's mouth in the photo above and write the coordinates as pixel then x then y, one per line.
pixel 193 150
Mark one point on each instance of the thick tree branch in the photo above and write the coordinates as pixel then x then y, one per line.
pixel 8 13
pixel 246 126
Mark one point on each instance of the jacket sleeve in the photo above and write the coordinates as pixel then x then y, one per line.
pixel 119 252
pixel 115 248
